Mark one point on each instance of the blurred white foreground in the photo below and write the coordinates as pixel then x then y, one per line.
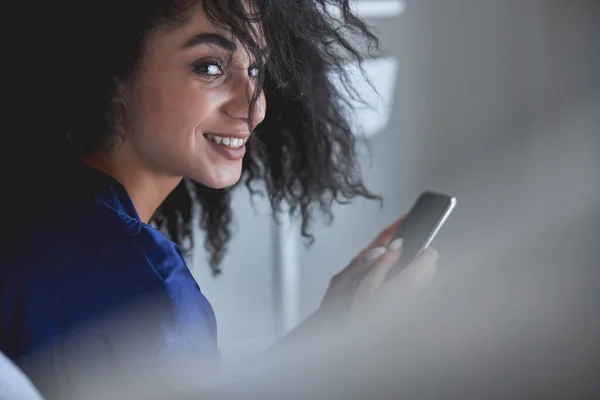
pixel 514 316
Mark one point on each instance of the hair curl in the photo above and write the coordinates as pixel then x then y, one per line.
pixel 303 151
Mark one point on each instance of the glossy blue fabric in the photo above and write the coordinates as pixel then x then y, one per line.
pixel 88 256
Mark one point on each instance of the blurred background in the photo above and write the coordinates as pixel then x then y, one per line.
pixel 496 102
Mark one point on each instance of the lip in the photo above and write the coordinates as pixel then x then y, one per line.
pixel 237 135
pixel 227 152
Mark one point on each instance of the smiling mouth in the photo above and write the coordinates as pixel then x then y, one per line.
pixel 226 141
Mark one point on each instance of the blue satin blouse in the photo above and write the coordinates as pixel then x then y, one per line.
pixel 90 256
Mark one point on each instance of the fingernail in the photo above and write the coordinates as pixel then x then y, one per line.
pixel 395 245
pixel 375 253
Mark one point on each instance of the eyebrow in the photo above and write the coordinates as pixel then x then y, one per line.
pixel 220 41
pixel 211 38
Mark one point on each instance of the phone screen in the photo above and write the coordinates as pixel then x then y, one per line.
pixel 421 224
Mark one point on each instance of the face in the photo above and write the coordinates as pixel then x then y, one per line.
pixel 186 112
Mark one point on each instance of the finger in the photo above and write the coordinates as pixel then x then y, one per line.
pixel 418 269
pixel 428 279
pixel 380 271
pixel 424 262
pixel 425 276
pixel 375 278
pixel 362 263
pixel 374 254
pixel 386 235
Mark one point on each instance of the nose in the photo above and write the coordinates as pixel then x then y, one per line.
pixel 237 107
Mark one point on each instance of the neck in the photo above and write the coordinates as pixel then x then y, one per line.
pixel 146 188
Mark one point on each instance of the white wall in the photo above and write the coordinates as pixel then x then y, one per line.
pixel 490 98
pixel 479 83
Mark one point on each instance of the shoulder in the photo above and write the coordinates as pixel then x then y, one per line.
pixel 71 266
pixel 72 241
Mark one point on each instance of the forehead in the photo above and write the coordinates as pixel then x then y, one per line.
pixel 242 31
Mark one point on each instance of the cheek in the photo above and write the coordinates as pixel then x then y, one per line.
pixel 189 107
pixel 176 112
pixel 261 109
pixel 164 126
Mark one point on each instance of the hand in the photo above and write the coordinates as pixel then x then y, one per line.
pixel 352 289
pixel 359 288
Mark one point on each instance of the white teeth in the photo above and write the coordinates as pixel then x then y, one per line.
pixel 226 141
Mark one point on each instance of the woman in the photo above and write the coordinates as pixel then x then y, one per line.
pixel 144 114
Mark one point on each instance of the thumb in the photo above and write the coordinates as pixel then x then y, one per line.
pixel 376 276
pixel 420 272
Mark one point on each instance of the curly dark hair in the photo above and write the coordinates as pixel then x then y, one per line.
pixel 303 152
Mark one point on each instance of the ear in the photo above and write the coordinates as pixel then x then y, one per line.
pixel 121 91
pixel 119 107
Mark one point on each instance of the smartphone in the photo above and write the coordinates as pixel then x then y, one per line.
pixel 421 225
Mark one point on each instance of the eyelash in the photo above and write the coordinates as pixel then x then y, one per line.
pixel 200 69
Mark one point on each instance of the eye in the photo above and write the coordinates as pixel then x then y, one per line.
pixel 253 72
pixel 210 69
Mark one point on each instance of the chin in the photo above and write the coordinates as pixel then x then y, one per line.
pixel 222 184
pixel 220 179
